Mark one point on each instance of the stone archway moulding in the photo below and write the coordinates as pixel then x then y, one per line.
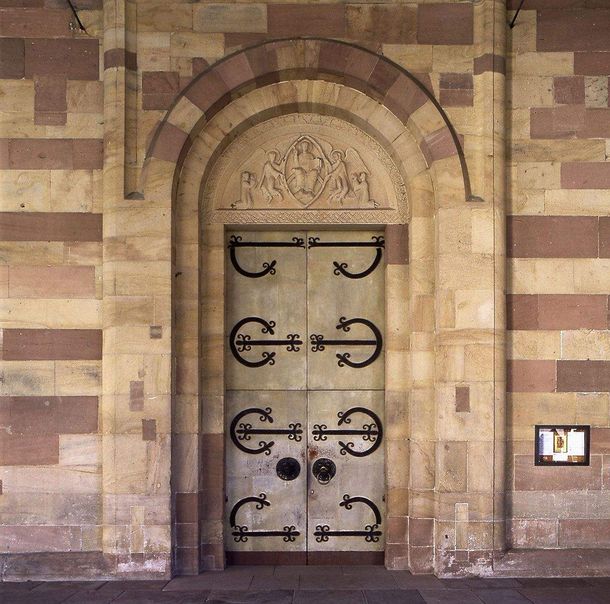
pixel 307 58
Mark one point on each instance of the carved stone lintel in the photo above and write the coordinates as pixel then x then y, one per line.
pixel 305 168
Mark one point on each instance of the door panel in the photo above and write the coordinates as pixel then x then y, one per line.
pixel 265 427
pixel 304 392
pixel 346 513
pixel 269 307
pixel 345 278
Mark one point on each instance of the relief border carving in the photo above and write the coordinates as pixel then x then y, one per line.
pixel 237 150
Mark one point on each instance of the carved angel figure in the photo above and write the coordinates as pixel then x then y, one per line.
pixel 272 180
pixel 338 179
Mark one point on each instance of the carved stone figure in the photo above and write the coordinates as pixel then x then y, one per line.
pixel 360 185
pixel 272 180
pixel 338 179
pixel 304 170
pixel 248 183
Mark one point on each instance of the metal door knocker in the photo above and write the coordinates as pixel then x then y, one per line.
pixel 288 468
pixel 324 470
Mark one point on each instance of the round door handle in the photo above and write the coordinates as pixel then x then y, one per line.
pixel 324 470
pixel 288 468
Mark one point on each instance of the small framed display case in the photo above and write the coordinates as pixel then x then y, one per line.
pixel 562 445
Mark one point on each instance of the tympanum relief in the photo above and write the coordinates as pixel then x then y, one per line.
pixel 304 168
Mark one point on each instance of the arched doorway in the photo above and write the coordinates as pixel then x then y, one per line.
pixel 327 80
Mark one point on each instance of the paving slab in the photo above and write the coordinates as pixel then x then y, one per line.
pixel 160 597
pixel 330 596
pixel 393 596
pixel 280 596
pixel 560 595
pixel 449 596
pixel 501 596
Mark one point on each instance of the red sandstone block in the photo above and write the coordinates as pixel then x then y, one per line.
pixel 237 39
pixel 207 90
pixel 552 236
pixel 445 24
pixel 50 226
pixel 456 98
pixel 583 376
pixel 149 429
pixel 592 63
pixel 585 175
pixel 531 376
pixel 569 121
pixel 35 22
pixel 187 507
pixel 75 59
pixel 87 154
pixel 235 71
pixel 19 450
pixel 462 400
pixel 529 477
pixel 569 90
pixel 438 145
pixel 55 154
pixel 584 533
pixel 600 440
pixel 12 58
pixel 521 311
pixel 456 81
pixel 159 82
pixel 50 93
pixel 136 396
pixel 571 30
pixel 169 143
pixel 40 154
pixel 301 20
pixel 383 77
pixel 489 62
pixel 50 118
pixel 604 237
pixel 52 344
pixel 421 531
pixel 52 282
pixel 49 414
pixel 119 57
pixel 567 311
pixel 397 244
pixel 397 529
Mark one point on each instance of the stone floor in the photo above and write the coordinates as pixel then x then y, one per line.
pixel 312 585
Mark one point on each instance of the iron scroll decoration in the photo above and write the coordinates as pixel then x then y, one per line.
pixel 243 431
pixel 341 268
pixel 372 432
pixel 318 343
pixel 371 532
pixel 269 268
pixel 242 533
pixel 239 343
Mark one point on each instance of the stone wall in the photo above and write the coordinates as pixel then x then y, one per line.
pixel 51 135
pixel 82 472
pixel 559 271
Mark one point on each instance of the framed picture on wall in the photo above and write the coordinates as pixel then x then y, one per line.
pixel 565 445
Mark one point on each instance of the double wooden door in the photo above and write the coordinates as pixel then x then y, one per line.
pixel 304 396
